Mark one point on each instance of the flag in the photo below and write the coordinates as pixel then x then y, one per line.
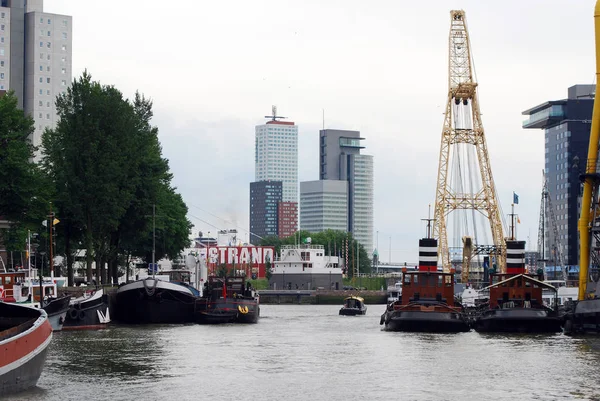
pixel 55 221
pixel 518 220
pixel 515 198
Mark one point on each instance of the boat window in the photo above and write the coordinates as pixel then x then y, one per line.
pixel 48 291
pixel 527 284
pixel 416 279
pixel 440 280
pixel 448 281
pixel 406 279
pixel 7 280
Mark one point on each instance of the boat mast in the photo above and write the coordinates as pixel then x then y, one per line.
pixel 153 240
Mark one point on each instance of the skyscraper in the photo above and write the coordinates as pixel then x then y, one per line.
pixel 566 124
pixel 265 197
pixel 35 58
pixel 276 159
pixel 340 160
pixel 324 205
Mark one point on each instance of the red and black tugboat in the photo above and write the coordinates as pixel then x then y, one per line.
pixel 515 299
pixel 427 301
pixel 227 300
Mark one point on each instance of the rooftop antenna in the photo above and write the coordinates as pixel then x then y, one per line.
pixel 274 117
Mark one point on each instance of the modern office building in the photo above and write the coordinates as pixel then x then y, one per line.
pixel 340 160
pixel 324 205
pixel 265 197
pixel 35 58
pixel 566 124
pixel 276 156
pixel 276 159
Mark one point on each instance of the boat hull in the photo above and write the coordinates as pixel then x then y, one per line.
pixel 227 311
pixel 57 312
pixel 143 302
pixel 353 311
pixel 23 348
pixel 584 318
pixel 90 314
pixel 517 320
pixel 425 321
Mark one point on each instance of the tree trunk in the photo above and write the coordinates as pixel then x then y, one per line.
pixel 89 244
pixel 69 256
pixel 114 252
pixel 127 267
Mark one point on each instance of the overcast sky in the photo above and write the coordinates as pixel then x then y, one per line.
pixel 214 68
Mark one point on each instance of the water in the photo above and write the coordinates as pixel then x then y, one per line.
pixel 304 352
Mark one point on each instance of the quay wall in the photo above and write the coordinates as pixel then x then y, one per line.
pixel 323 297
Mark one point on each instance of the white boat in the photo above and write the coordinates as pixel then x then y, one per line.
pixel 394 292
pixel 564 294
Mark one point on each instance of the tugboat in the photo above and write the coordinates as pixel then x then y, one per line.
pixel 88 312
pixel 353 306
pixel 227 300
pixel 515 299
pixel 24 337
pixel 427 302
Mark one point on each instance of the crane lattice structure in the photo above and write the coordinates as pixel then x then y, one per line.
pixel 462 125
pixel 556 247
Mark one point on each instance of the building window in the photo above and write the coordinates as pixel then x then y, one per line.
pixel 2 27
pixel 41 44
pixel 41 92
pixel 63 70
pixel 63 59
pixel 47 92
pixel 47 116
pixel 41 20
pixel 63 82
pixel 49 21
pixel 41 68
pixel 41 55
pixel 2 39
pixel 64 35
pixel 42 32
pixel 64 47
pixel 41 79
pixel 2 15
pixel 47 104
pixel 48 33
pixel 48 44
pixel 48 80
pixel 40 103
pixel 40 115
pixel 1 52
pixel 48 68
pixel 1 75
pixel 64 22
pixel 2 63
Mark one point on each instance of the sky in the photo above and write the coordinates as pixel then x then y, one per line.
pixel 213 70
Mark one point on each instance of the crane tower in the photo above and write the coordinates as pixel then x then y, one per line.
pixel 463 131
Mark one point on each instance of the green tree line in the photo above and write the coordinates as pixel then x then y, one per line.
pixel 101 172
pixel 335 243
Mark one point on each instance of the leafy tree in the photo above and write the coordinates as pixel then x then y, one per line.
pixel 22 184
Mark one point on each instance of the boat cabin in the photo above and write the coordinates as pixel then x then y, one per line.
pixel 517 291
pixel 228 287
pixel 428 287
pixel 7 282
pixel 354 302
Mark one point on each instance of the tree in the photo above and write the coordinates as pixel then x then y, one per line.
pixel 22 184
pixel 105 160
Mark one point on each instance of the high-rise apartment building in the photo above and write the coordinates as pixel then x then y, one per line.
pixel 340 160
pixel 265 197
pixel 324 205
pixel 35 58
pixel 276 159
pixel 566 124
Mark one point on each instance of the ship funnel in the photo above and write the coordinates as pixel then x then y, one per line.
pixel 515 257
pixel 428 254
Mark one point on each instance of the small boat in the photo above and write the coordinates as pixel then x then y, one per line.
pixel 24 337
pixel 353 306
pixel 157 299
pixel 515 299
pixel 394 292
pixel 89 311
pixel 57 309
pixel 427 302
pixel 227 300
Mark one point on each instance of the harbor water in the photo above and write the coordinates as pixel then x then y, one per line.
pixel 308 352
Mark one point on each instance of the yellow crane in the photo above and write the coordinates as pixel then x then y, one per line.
pixel 591 178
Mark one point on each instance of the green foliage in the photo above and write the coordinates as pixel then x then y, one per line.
pixel 22 183
pixel 222 270
pixel 105 160
pixel 334 242
pixel 268 270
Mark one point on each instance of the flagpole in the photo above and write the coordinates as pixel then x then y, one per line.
pixel 51 256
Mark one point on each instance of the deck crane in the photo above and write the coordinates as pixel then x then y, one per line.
pixel 556 248
pixel 463 131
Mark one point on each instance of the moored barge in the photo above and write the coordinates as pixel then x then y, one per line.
pixel 227 300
